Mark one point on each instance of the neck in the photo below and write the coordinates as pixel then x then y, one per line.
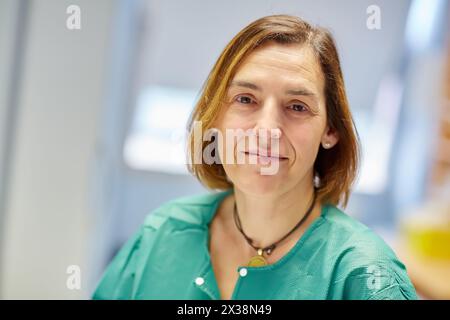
pixel 267 218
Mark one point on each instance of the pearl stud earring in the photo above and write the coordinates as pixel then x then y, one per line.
pixel 327 145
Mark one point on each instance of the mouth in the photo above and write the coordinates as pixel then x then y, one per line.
pixel 267 157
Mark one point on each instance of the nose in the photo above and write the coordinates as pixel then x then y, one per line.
pixel 268 124
pixel 269 119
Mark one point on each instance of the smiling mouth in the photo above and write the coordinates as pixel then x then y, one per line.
pixel 266 157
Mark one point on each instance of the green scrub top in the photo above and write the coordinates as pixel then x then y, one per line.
pixel 336 258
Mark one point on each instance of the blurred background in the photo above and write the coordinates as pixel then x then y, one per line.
pixel 94 98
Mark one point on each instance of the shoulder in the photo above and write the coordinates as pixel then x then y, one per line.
pixel 179 214
pixel 353 236
pixel 124 271
pixel 192 210
pixel 364 266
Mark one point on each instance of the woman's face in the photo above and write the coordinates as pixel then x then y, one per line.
pixel 277 87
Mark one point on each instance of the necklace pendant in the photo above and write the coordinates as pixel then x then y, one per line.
pixel 258 260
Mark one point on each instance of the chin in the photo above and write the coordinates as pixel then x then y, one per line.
pixel 257 184
pixel 260 190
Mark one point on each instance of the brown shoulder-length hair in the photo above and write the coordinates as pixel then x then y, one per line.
pixel 336 167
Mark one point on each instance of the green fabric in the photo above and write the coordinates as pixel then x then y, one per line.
pixel 336 258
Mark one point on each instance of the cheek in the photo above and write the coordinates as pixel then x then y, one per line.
pixel 230 122
pixel 305 141
pixel 233 120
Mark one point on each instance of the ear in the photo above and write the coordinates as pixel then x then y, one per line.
pixel 329 138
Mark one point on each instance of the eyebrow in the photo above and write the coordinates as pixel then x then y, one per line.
pixel 295 92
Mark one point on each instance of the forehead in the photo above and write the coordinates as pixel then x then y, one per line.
pixel 283 64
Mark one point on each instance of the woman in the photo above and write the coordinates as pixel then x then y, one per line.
pixel 266 235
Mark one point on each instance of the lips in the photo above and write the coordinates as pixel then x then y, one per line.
pixel 267 156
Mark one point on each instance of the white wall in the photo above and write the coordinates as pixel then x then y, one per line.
pixel 9 15
pixel 48 219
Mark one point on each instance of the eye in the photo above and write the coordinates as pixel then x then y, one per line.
pixel 244 99
pixel 298 107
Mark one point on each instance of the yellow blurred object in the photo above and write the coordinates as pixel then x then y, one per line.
pixel 428 232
